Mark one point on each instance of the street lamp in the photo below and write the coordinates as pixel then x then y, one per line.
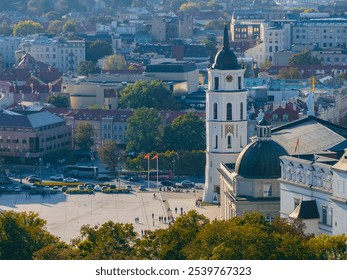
pixel 119 169
pixel 40 168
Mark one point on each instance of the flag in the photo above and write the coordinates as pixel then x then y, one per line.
pixel 297 145
pixel 155 157
pixel 146 156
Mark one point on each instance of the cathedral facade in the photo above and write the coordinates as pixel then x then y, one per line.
pixel 226 117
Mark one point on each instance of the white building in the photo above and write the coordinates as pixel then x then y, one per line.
pixel 57 52
pixel 314 189
pixel 8 46
pixel 226 116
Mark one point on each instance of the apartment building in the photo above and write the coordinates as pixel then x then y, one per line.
pixel 57 52
pixel 8 46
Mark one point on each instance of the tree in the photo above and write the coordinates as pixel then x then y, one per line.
pixel 84 136
pixel 170 244
pixel 144 131
pixel 186 133
pixel 110 153
pixel 97 50
pixel 70 26
pixel 59 100
pixel 27 27
pixel 55 27
pixel 114 62
pixel 151 94
pixel 38 7
pixel 22 234
pixel 5 29
pixel 109 241
pixel 289 73
pixel 304 58
pixel 85 68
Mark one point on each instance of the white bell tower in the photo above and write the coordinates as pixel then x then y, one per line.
pixel 226 116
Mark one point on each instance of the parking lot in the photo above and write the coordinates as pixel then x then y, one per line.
pixel 65 214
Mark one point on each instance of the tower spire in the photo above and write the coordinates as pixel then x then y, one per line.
pixel 226 45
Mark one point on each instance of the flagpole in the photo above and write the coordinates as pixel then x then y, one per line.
pixel 157 171
pixel 148 171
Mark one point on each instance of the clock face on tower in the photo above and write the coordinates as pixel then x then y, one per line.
pixel 229 78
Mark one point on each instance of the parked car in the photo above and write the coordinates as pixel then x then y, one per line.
pixel 57 178
pixel 70 180
pixel 34 179
pixel 142 188
pixel 97 188
pixel 31 176
pixel 167 183
pixel 103 178
pixel 187 184
pixel 134 179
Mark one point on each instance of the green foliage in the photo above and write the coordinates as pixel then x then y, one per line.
pixel 109 241
pixel 59 100
pixel 169 244
pixel 22 234
pixel 109 154
pixel 151 94
pixel 304 58
pixel 289 73
pixel 144 131
pixel 114 62
pixel 97 50
pixel 5 29
pixel 55 27
pixel 84 136
pixel 70 26
pixel 27 27
pixel 85 68
pixel 186 133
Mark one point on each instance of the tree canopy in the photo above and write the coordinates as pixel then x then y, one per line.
pixel 59 100
pixel 85 136
pixel 151 94
pixel 85 68
pixel 98 49
pixel 186 133
pixel 144 131
pixel 27 27
pixel 109 154
pixel 114 62
pixel 304 58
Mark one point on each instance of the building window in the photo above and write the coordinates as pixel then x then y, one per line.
pixel 229 142
pixel 241 111
pixel 215 111
pixel 267 190
pixel 239 82
pixel 324 215
pixel 216 83
pixel 216 142
pixel 229 112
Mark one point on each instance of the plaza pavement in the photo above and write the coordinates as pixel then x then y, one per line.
pixel 66 213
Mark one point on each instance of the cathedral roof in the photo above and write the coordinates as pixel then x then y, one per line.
pixel 260 160
pixel 225 58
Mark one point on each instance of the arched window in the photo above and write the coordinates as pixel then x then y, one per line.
pixel 216 83
pixel 229 142
pixel 241 111
pixel 229 112
pixel 216 142
pixel 215 111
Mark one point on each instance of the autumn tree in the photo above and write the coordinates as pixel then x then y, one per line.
pixel 70 26
pixel 304 58
pixel 55 27
pixel 27 27
pixel 289 73
pixel 85 136
pixel 144 131
pixel 151 94
pixel 114 62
